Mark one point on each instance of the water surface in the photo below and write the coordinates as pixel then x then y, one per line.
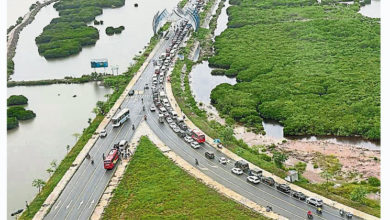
pixel 118 49
pixel 372 10
pixel 16 9
pixel 202 82
pixel 36 142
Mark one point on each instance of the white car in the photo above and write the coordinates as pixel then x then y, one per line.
pixel 314 201
pixel 195 145
pixel 188 139
pixel 222 160
pixel 123 143
pixel 152 108
pixel 176 129
pixel 169 120
pixel 103 133
pixel 172 125
pixel 237 171
pixel 253 179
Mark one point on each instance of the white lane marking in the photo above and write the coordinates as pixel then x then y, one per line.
pixel 67 207
pixel 59 202
pixel 80 204
pixel 92 202
pixel 214 166
pixel 203 168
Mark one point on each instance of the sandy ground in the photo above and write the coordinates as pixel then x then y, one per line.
pixel 354 159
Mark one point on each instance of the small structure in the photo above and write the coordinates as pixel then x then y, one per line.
pixel 292 176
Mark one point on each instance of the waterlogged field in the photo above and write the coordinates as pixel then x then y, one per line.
pixel 154 187
pixel 314 68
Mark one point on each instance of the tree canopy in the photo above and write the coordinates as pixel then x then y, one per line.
pixel 313 67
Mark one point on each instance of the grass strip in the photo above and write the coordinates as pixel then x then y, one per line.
pixel 154 187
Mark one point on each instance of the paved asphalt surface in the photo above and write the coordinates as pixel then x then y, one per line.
pixel 84 190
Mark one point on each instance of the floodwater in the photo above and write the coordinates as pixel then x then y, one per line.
pixel 202 82
pixel 36 142
pixel 118 49
pixel 222 20
pixel 372 10
pixel 16 9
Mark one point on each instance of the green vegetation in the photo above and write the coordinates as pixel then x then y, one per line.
pixel 111 30
pixel 154 187
pixel 10 67
pixel 96 22
pixel 20 19
pixel 17 100
pixel 314 68
pixel 12 122
pixel 67 34
pixel 15 113
pixel 20 113
pixel 66 80
pixel 119 84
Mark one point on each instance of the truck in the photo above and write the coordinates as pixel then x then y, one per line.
pixel 161 118
pixel 242 164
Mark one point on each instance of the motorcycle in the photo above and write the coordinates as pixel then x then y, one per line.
pixel 133 127
pixel 145 117
pixel 341 212
pixel 319 211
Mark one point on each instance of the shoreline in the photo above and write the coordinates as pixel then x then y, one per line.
pixel 353 158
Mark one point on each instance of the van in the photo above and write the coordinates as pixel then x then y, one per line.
pixel 242 164
pixel 165 101
pixel 162 56
pixel 256 172
pixel 163 110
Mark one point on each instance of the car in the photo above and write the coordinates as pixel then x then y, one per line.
pixel 314 201
pixel 253 179
pixel 169 119
pixel 222 160
pixel 283 187
pixel 176 129
pixel 123 143
pixel 166 114
pixel 161 80
pixel 298 195
pixel 188 139
pixel 209 155
pixel 131 92
pixel 152 108
pixel 146 86
pixel 103 133
pixel 237 171
pixel 268 180
pixel 172 125
pixel 195 145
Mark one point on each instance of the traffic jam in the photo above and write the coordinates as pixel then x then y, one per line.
pixel 195 138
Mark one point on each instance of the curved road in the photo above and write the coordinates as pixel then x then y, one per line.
pixel 85 188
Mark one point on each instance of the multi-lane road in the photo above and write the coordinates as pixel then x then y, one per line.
pixel 81 194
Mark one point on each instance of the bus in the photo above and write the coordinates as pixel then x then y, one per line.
pixel 198 136
pixel 111 159
pixel 120 118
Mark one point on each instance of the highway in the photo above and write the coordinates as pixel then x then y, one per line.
pixel 85 188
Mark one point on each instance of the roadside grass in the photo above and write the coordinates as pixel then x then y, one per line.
pixel 118 83
pixel 155 187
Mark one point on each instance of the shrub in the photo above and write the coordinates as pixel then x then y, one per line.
pixel 20 113
pixel 373 181
pixel 17 100
pixel 12 122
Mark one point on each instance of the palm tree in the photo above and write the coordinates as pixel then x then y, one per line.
pixel 49 171
pixel 38 183
pixel 53 164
